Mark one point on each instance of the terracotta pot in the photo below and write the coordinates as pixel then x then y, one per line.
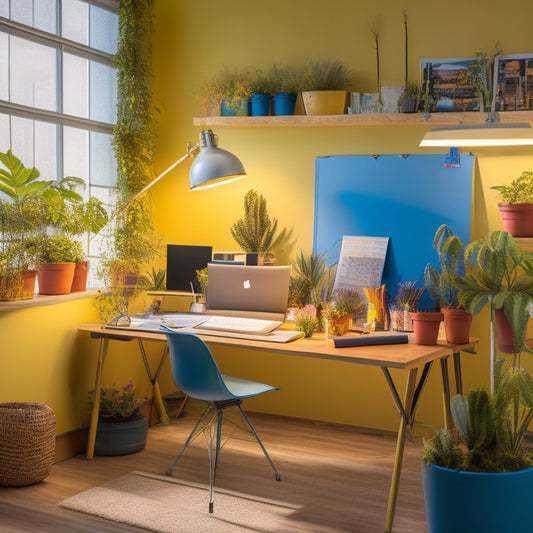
pixel 55 278
pixel 28 280
pixel 504 332
pixel 457 324
pixel 517 219
pixel 426 326
pixel 79 282
pixel 400 320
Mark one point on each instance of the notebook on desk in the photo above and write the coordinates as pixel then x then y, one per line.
pixel 248 291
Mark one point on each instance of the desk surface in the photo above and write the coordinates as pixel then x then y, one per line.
pixel 405 356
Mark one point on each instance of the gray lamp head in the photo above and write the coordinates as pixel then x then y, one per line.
pixel 213 166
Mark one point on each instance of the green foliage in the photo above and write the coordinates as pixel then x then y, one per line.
pixel 231 86
pixel 59 249
pixel 307 322
pixel 344 302
pixel 476 75
pixel 154 280
pixel 117 404
pixel 255 231
pixel 135 240
pixel 492 427
pixel 501 276
pixel 285 79
pixel 325 75
pixel 449 248
pixel 519 191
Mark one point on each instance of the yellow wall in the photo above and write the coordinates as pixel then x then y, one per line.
pixel 43 358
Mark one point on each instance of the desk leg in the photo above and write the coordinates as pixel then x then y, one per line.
pixel 154 381
pixel 93 424
pixel 446 392
pixel 458 373
pixel 407 411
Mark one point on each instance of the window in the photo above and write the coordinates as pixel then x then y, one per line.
pixel 58 92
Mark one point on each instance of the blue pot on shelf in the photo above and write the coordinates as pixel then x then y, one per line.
pixel 260 105
pixel 283 103
pixel 240 110
pixel 474 502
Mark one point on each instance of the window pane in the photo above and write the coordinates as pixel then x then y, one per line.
pixel 74 21
pixel 4 133
pixel 103 93
pixel 22 140
pixel 32 74
pixel 76 155
pixel 4 66
pixel 45 17
pixel 4 8
pixel 102 160
pixel 46 149
pixel 103 29
pixel 21 11
pixel 75 86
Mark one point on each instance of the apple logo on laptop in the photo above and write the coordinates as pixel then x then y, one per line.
pixel 246 284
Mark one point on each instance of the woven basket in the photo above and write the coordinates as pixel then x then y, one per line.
pixel 27 443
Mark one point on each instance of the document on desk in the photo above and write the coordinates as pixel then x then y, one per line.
pixel 172 320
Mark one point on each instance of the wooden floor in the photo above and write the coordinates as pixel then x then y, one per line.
pixel 338 475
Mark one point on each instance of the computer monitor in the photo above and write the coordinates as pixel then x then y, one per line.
pixel 182 263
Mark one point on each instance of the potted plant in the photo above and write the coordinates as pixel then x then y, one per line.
pixel 255 231
pixel 306 320
pixel 286 84
pixel 324 87
pixel 261 89
pixel 227 93
pixel 338 313
pixel 426 325
pixel 121 428
pixel 480 482
pixel 405 301
pixel 500 275
pixel 516 207
pixel 410 98
pixel 450 249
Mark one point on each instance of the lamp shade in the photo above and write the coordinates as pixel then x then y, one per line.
pixel 490 134
pixel 214 166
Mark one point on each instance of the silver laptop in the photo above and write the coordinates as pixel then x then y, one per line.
pixel 249 291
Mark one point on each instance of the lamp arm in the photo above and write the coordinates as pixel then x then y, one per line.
pixel 190 153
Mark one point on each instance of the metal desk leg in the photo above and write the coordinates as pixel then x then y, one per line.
pixel 407 416
pixel 458 373
pixel 163 417
pixel 446 392
pixel 93 424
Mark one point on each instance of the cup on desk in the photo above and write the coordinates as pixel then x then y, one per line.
pixel 197 307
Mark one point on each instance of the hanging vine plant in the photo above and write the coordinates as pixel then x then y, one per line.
pixel 135 240
pixel 135 244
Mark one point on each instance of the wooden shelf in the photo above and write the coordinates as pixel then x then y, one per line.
pixel 381 119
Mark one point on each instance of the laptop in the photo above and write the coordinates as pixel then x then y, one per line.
pixel 248 291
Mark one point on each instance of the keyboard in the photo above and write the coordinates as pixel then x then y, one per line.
pixel 237 324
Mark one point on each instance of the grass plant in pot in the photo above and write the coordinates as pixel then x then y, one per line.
pixel 405 301
pixel 122 430
pixel 339 312
pixel 450 253
pixel 516 207
pixel 324 87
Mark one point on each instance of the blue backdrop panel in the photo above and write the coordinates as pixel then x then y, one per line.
pixel 405 198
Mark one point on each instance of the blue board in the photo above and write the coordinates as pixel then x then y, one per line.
pixel 405 198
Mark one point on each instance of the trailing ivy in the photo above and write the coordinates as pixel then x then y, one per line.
pixel 135 239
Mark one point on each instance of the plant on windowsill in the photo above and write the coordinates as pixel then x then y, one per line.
pixel 122 430
pixel 516 207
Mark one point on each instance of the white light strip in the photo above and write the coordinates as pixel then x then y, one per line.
pixel 480 135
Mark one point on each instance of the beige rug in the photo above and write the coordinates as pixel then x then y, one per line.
pixel 165 504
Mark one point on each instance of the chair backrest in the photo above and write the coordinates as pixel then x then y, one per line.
pixel 194 369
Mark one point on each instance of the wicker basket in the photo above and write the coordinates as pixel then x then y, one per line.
pixel 27 443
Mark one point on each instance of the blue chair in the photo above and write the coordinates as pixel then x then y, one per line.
pixel 196 373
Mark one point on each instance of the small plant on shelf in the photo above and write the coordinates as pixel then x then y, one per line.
pixel 519 191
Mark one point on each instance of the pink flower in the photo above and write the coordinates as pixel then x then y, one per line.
pixel 129 387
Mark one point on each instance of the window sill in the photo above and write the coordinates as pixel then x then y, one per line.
pixel 40 300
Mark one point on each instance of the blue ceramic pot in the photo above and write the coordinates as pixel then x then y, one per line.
pixel 283 104
pixel 472 502
pixel 260 105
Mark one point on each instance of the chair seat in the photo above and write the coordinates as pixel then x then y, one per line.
pixel 243 388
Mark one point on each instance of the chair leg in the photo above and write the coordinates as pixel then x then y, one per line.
pixel 213 464
pixel 203 423
pixel 276 473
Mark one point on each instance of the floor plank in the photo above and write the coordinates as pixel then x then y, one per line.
pixel 339 476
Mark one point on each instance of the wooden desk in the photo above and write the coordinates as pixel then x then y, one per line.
pixel 417 360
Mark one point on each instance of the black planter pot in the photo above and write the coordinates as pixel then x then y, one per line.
pixel 121 437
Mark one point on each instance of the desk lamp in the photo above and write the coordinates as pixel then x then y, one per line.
pixel 489 134
pixel 212 167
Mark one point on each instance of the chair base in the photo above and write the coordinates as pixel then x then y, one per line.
pixel 210 424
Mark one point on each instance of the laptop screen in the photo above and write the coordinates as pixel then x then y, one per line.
pixel 250 289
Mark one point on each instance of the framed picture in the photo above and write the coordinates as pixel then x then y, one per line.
pixel 449 83
pixel 513 82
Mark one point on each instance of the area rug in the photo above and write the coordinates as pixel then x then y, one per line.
pixel 169 505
